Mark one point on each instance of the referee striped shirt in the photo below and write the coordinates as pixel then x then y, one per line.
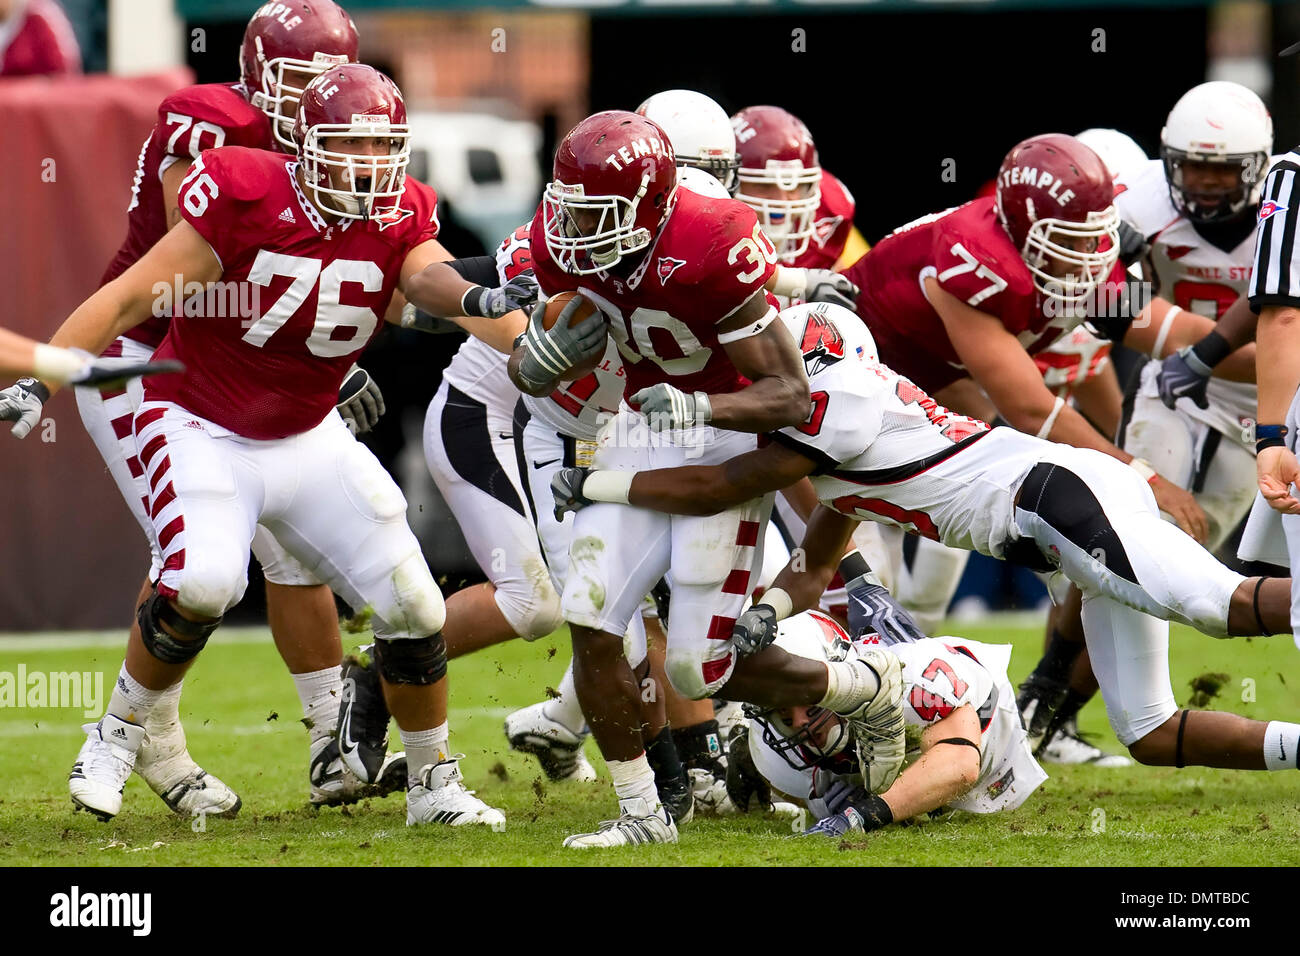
pixel 1275 279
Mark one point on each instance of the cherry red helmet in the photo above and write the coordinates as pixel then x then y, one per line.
pixel 285 44
pixel 615 185
pixel 354 101
pixel 1055 199
pixel 776 149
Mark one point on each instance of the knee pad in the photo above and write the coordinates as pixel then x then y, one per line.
pixel 155 612
pixel 416 660
pixel 687 673
pixel 536 612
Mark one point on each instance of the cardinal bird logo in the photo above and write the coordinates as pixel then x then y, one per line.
pixel 822 345
pixel 667 266
pixel 1268 207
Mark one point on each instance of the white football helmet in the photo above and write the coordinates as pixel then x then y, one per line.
pixel 701 183
pixel 1117 150
pixel 817 637
pixel 1217 122
pixel 699 130
pixel 825 333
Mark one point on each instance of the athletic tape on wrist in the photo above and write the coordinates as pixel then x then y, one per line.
pixel 1165 326
pixel 611 486
pixel 1143 468
pixel 55 364
pixel 1046 428
pixel 778 601
pixel 791 282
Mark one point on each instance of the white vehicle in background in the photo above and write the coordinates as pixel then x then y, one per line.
pixel 484 164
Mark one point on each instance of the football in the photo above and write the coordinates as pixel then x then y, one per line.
pixel 551 314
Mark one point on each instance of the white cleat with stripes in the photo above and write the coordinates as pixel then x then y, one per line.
pixel 638 824
pixel 441 797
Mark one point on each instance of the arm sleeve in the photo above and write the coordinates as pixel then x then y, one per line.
pixel 1275 278
pixel 479 269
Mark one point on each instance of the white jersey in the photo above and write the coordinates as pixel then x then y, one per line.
pixel 886 451
pixel 940 675
pixel 1195 275
pixel 479 370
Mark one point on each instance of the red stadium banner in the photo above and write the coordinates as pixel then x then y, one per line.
pixel 71 555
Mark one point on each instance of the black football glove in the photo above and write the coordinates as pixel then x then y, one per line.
pixel 566 489
pixel 744 782
pixel 361 403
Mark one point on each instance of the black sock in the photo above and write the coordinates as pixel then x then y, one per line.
pixel 661 753
pixel 1054 668
pixel 699 745
pixel 1066 711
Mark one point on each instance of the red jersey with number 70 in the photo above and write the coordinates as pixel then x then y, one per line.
pixel 267 348
pixel 971 256
pixel 189 121
pixel 708 260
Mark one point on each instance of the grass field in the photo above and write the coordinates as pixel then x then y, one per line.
pixel 242 718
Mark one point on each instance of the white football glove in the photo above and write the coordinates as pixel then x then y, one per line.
pixel 666 407
pixel 21 404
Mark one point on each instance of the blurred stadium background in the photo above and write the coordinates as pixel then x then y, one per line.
pixel 892 90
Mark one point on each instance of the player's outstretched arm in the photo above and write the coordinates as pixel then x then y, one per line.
pixel 465 292
pixel 708 489
pixel 778 395
pixel 813 564
pixel 999 363
pixel 180 257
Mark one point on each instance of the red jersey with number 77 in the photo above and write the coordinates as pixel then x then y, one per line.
pixel 189 121
pixel 708 260
pixel 267 348
pixel 971 256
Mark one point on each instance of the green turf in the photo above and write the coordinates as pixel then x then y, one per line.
pixel 242 718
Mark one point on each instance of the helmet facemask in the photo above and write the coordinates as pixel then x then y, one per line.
pixel 588 234
pixel 792 229
pixel 1217 206
pixel 1086 269
pixel 799 747
pixel 280 91
pixel 721 164
pixel 356 185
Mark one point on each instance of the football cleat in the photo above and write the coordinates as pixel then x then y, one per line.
pixel 678 798
pixel 103 765
pixel 710 792
pixel 1068 747
pixel 363 721
pixel 333 784
pixel 1038 700
pixel 638 823
pixel 557 748
pixel 441 797
pixel 165 764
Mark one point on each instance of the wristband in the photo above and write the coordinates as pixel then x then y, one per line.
pixel 1164 331
pixel 873 810
pixel 56 364
pixel 1270 436
pixel 726 338
pixel 703 408
pixel 778 601
pixel 1143 468
pixel 471 302
pixel 1210 351
pixel 611 486
pixel 853 565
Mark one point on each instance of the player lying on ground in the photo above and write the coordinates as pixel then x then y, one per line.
pixel 878 448
pixel 966 746
pixel 251 435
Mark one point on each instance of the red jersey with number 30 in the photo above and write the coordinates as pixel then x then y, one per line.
pixel 298 301
pixel 971 256
pixel 189 121
pixel 708 260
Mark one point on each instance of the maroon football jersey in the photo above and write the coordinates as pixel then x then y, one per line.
pixel 309 295
pixel 708 260
pixel 831 226
pixel 971 256
pixel 189 121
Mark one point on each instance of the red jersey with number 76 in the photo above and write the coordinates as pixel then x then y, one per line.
pixel 708 260
pixel 189 121
pixel 971 256
pixel 267 348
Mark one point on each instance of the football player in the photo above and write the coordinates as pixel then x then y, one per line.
pixel 679 278
pixel 877 447
pixel 250 436
pixel 1194 207
pixel 966 747
pixel 282 49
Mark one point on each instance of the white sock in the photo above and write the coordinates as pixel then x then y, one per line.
pixel 848 686
pixel 1281 745
pixel 319 693
pixel 565 709
pixel 633 780
pixel 424 747
pixel 132 701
